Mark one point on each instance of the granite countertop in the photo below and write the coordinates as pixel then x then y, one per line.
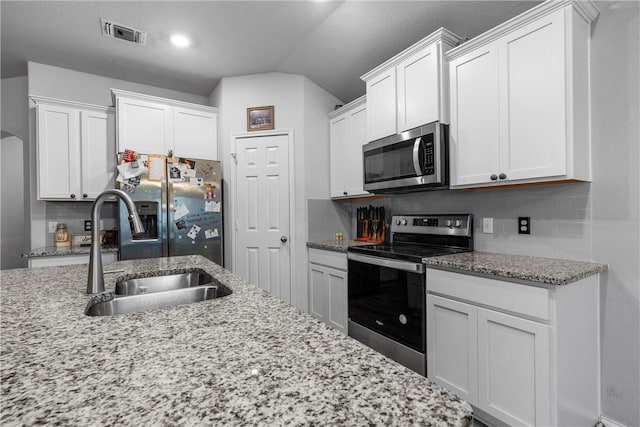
pixel 244 359
pixel 71 250
pixel 335 245
pixel 543 270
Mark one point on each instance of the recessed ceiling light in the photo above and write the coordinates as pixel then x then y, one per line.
pixel 180 40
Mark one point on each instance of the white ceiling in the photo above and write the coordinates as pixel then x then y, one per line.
pixel 331 42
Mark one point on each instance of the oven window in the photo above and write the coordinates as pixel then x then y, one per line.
pixel 390 162
pixel 388 301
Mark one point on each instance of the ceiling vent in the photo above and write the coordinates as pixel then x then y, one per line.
pixel 118 31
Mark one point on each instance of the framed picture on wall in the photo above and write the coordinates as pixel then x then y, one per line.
pixel 260 118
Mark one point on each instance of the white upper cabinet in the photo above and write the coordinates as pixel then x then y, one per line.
pixel 519 99
pixel 149 124
pixel 410 89
pixel 196 133
pixel 144 126
pixel 347 135
pixel 98 147
pixel 381 105
pixel 76 149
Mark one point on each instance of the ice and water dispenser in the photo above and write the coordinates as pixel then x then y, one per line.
pixel 148 212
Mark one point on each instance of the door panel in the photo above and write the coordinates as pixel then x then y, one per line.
pixel 98 152
pixel 381 105
pixel 474 132
pixel 262 217
pixel 58 153
pixel 513 368
pixel 452 353
pixel 533 96
pixel 418 95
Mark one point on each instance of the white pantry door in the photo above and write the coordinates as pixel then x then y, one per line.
pixel 262 216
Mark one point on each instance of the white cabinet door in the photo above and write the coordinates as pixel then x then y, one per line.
pixel 144 126
pixel 475 109
pixel 328 295
pixel 336 297
pixel 381 105
pixel 418 89
pixel 533 113
pixel 58 135
pixel 339 155
pixel 328 288
pixel 317 285
pixel 196 133
pixel 452 346
pixel 514 369
pixel 358 137
pixel 98 152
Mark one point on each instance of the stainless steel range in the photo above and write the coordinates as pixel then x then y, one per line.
pixel 387 284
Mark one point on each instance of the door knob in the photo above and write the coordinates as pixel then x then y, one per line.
pixel 283 239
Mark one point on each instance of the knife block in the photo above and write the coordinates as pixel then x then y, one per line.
pixel 371 224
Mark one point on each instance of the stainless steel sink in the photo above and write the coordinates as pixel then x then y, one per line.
pixel 150 301
pixel 166 282
pixel 156 290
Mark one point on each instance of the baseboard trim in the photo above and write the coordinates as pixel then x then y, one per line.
pixel 608 422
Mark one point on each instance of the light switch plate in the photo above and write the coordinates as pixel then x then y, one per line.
pixel 487 225
pixel 52 226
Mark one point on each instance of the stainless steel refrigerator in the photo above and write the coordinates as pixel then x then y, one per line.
pixel 180 203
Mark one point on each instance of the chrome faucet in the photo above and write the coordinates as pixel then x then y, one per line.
pixel 95 284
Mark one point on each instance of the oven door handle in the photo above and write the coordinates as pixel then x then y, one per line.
pixel 411 267
pixel 416 156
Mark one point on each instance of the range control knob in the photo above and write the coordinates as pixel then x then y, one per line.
pixel 448 223
pixel 397 222
pixel 403 222
pixel 458 223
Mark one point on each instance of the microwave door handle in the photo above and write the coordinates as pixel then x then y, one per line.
pixel 416 156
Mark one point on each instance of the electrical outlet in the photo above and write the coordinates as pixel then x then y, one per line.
pixel 52 226
pixel 524 225
pixel 87 225
pixel 487 225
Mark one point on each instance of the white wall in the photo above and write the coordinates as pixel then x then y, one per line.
pixel 15 200
pixel 615 194
pixel 299 105
pixel 56 82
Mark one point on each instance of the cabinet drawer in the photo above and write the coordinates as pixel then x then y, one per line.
pixel 530 301
pixel 333 259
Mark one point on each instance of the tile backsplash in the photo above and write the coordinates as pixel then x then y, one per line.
pixel 561 216
pixel 74 214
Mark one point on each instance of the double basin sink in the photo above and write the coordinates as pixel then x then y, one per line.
pixel 152 292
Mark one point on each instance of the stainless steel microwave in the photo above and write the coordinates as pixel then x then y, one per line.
pixel 415 160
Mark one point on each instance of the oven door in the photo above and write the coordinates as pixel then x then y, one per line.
pixel 388 297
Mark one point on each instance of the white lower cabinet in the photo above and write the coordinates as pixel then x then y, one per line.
pixel 328 287
pixel 61 260
pixel 520 354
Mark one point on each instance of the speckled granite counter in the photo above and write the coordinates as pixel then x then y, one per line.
pixel 336 246
pixel 543 270
pixel 73 250
pixel 192 364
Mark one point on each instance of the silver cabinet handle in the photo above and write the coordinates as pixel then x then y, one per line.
pixel 283 239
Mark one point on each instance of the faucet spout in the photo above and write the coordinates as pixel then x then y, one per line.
pixel 95 283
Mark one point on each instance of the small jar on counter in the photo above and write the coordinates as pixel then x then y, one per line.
pixel 62 236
